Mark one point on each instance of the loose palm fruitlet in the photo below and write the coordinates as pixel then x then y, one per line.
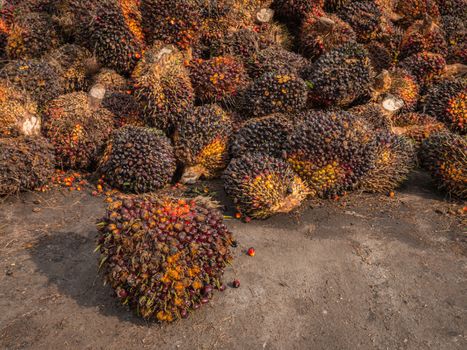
pixel 416 126
pixel 393 159
pixel 330 151
pixel 274 92
pixel 261 185
pixel 217 79
pixel 163 256
pixel 444 155
pixel 163 86
pixel 202 141
pixel 138 159
pixel 447 101
pixel 340 76
pixel 18 112
pixel 266 135
pixel 425 66
pixel 421 36
pixel 77 130
pixel 26 163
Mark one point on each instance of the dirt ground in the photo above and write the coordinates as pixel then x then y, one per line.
pixel 366 272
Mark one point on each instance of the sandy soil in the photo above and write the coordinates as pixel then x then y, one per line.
pixel 367 272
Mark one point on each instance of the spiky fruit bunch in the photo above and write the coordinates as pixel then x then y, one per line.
pixel 30 36
pixel 294 11
pixel 447 101
pixel 382 57
pixel 423 36
pixel 274 34
pixel 335 5
pixel 276 59
pixel 374 114
pixel 416 126
pixel 456 37
pixel 138 160
pixel 266 135
pixel 425 66
pixel 77 130
pixel 364 17
pixel 444 155
pixel 26 163
pixel 218 78
pixel 163 86
pixel 111 80
pixel 74 64
pixel 322 32
pixel 452 7
pixel 131 11
pixel 329 151
pixel 412 10
pixel 261 185
pixel 393 157
pixel 172 21
pixel 38 78
pixel 340 76
pixel 163 256
pixel 18 113
pixel 274 92
pixel 201 142
pixel 113 42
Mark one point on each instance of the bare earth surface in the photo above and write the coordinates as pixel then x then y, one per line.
pixel 366 272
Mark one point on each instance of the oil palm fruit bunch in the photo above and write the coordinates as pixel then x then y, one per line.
pixel 444 156
pixel 138 159
pixel 31 35
pixel 447 101
pixel 111 39
pixel 321 32
pixel 265 135
pixel 202 142
pixel 163 256
pixel 217 79
pixel 425 66
pixel 18 112
pixel 111 80
pixel 456 38
pixel 393 157
pixel 412 10
pixel 452 7
pixel 364 17
pixel 329 150
pixel 416 126
pixel 423 35
pixel 26 163
pixel 163 86
pixel 294 11
pixel 78 129
pixel 261 186
pixel 340 76
pixel 38 78
pixel 274 92
pixel 374 114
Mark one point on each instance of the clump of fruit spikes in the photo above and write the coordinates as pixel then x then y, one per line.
pixel 26 163
pixel 416 126
pixel 444 156
pixel 425 66
pixel 412 10
pixel 374 114
pixel 294 11
pixel 163 256
pixel 456 38
pixel 138 159
pixel 261 186
pixel 202 141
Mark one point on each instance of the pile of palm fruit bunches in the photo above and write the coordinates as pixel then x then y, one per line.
pixel 284 100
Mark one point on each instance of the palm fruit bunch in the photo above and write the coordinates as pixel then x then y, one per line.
pixel 374 114
pixel 416 126
pixel 329 150
pixel 111 39
pixel 202 142
pixel 274 92
pixel 455 30
pixel 421 36
pixel 452 8
pixel 340 76
pixel 77 129
pixel 266 135
pixel 131 11
pixel 412 10
pixel 425 66
pixel 26 163
pixel 111 80
pixel 444 155
pixel 31 35
pixel 163 86
pixel 74 64
pixel 217 79
pixel 364 17
pixel 294 11
pixel 447 101
pixel 322 32
pixel 276 59
pixel 163 256
pixel 18 112
pixel 393 157
pixel 138 159
pixel 38 78
pixel 261 186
